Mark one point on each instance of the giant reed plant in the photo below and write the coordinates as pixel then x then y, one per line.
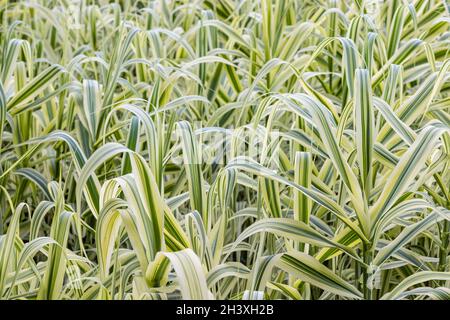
pixel 227 149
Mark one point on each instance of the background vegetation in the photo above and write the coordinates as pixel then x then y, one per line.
pixel 227 149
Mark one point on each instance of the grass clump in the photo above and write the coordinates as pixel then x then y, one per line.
pixel 224 149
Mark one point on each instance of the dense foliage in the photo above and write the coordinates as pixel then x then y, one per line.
pixel 224 149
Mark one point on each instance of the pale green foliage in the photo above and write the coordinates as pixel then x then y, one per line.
pixel 224 149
